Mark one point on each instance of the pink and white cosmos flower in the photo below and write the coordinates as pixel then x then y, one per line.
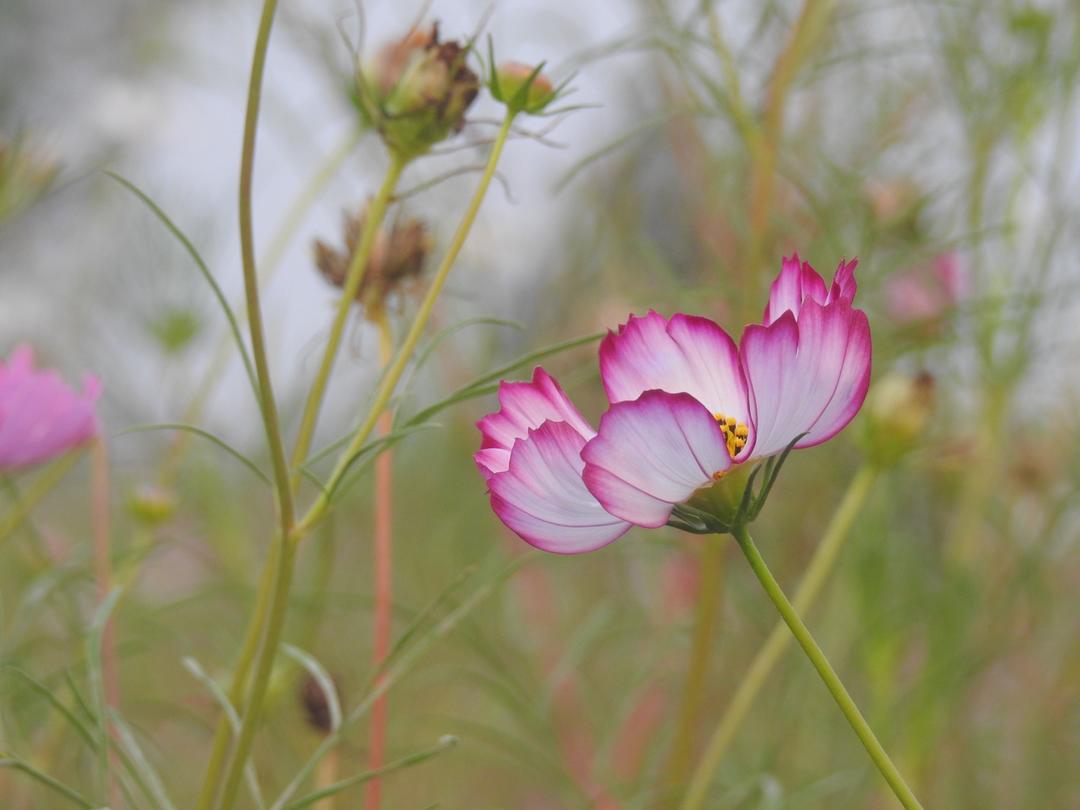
pixel 41 416
pixel 687 405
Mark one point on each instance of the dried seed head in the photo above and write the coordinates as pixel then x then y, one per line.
pixel 416 91
pixel 397 259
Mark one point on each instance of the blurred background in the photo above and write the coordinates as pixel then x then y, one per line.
pixel 936 141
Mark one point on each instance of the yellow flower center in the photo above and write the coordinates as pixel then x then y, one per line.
pixel 735 432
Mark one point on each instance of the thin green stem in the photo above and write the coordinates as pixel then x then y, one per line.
pixel 41 487
pixel 275 623
pixel 238 689
pixel 353 278
pixel 267 404
pixel 282 560
pixel 710 587
pixel 821 564
pixel 408 345
pixel 825 671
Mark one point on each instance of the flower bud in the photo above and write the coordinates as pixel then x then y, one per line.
pixel 24 176
pixel 898 411
pixel 397 258
pixel 522 88
pixel 416 91
pixel 152 505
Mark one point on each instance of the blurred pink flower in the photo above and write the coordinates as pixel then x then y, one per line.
pixel 687 405
pixel 924 293
pixel 41 416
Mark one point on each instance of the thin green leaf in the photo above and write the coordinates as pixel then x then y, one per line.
pixel 97 687
pixel 385 440
pixel 322 678
pixel 372 449
pixel 424 615
pixel 234 324
pixel 440 337
pixel 79 726
pixel 216 692
pixel 444 744
pixel 477 387
pixel 205 434
pixel 398 671
pixel 149 780
pixel 48 781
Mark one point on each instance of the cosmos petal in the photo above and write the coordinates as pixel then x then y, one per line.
pixel 653 453
pixel 523 407
pixel 41 416
pixel 542 498
pixel 807 376
pixel 686 354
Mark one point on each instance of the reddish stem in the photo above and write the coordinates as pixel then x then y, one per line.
pixel 383 582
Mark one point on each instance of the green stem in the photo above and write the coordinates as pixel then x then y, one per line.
pixel 41 487
pixel 408 345
pixel 825 671
pixel 821 564
pixel 283 558
pixel 353 278
pixel 238 689
pixel 267 403
pixel 711 576
pixel 275 623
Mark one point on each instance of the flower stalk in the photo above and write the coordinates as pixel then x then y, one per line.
pixel 353 278
pixel 282 556
pixel 404 353
pixel 825 671
pixel 821 565
pixel 383 554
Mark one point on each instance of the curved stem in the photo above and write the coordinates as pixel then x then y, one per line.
pixel 353 277
pixel 383 553
pixel 710 587
pixel 269 631
pixel 824 669
pixel 408 345
pixel 750 686
pixel 267 403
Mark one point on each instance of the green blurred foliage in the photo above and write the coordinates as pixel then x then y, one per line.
pixel 900 132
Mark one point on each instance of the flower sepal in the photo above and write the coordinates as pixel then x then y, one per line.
pixel 732 501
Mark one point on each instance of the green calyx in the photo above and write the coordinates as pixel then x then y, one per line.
pixel 734 500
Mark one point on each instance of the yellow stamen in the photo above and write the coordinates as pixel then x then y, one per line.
pixel 735 433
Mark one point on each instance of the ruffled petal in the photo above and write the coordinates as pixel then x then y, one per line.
pixel 684 355
pixel 797 282
pixel 807 376
pixel 844 285
pixel 653 453
pixel 541 497
pixel 523 407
